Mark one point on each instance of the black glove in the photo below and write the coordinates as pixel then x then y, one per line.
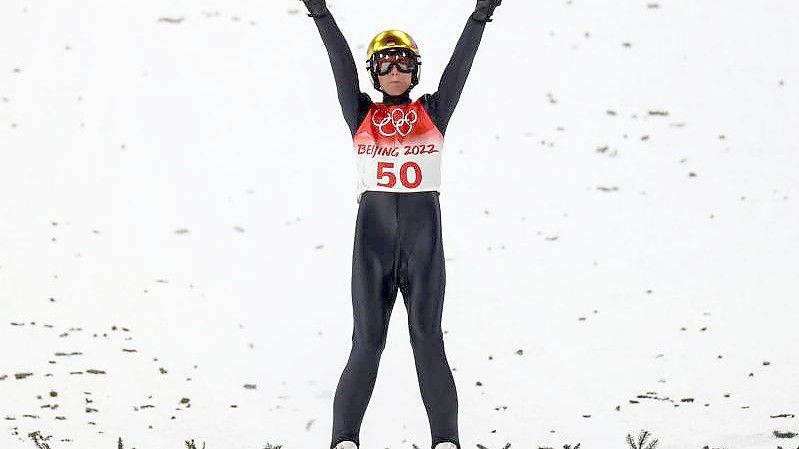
pixel 316 8
pixel 484 9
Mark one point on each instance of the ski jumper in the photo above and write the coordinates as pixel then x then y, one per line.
pixel 398 145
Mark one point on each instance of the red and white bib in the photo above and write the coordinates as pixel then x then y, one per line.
pixel 398 149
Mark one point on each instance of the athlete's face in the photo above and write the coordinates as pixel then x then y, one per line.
pixel 395 82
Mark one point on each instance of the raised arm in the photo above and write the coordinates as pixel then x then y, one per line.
pixel 442 103
pixel 352 100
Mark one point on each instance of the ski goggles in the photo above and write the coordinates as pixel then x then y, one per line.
pixel 382 63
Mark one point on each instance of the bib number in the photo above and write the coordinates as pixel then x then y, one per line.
pixel 384 170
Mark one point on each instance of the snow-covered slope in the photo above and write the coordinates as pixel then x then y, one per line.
pixel 619 204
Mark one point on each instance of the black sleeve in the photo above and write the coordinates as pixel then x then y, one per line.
pixel 441 104
pixel 354 103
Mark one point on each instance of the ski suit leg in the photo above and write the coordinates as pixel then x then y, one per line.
pixel 421 280
pixel 374 290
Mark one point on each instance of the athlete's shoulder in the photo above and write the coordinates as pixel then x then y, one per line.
pixel 364 99
pixel 430 104
pixel 364 105
pixel 429 101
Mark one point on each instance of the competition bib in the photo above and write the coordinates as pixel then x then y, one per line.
pixel 398 149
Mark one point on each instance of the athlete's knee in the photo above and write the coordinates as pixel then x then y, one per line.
pixel 422 334
pixel 370 341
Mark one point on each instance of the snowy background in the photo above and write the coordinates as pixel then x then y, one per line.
pixel 619 203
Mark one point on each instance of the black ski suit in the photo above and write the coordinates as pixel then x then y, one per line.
pixel 397 245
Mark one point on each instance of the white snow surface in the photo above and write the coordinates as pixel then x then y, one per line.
pixel 619 207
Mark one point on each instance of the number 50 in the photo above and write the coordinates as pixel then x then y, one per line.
pixel 392 179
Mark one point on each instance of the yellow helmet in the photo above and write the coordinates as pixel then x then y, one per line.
pixel 392 39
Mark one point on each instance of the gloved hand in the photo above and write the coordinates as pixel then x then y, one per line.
pixel 316 8
pixel 484 9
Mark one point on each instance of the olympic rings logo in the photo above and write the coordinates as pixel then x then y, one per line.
pixel 401 122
